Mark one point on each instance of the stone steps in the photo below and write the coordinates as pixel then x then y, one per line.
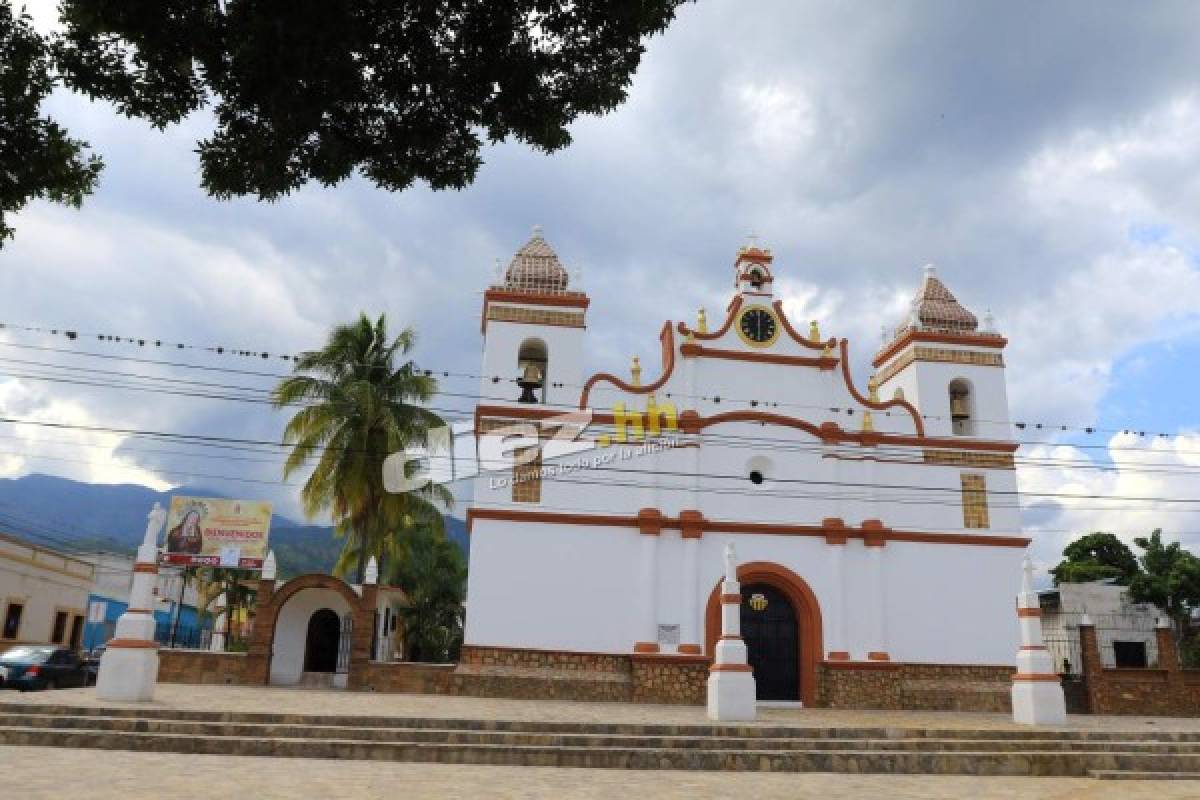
pixel 1131 775
pixel 911 750
pixel 551 739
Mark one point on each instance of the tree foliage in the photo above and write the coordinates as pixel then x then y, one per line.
pixel 1096 556
pixel 1169 578
pixel 357 407
pixel 37 157
pixel 399 90
pixel 433 574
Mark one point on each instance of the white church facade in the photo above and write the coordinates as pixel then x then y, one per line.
pixel 877 527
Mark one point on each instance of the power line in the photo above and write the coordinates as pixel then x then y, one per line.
pixel 754 402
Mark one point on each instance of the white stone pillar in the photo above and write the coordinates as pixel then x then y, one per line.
pixel 129 666
pixel 839 648
pixel 689 637
pixel 650 526
pixel 1037 693
pixel 220 626
pixel 731 689
pixel 877 610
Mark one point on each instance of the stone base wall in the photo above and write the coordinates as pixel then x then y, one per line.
pixel 407 677
pixel 914 687
pixel 603 677
pixel 678 680
pixel 201 666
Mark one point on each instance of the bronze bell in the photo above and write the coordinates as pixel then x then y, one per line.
pixel 531 378
pixel 958 406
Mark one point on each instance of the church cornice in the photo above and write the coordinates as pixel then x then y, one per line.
pixel 558 299
pixel 939 337
pixel 870 530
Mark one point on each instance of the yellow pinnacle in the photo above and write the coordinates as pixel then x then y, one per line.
pixel 701 321
pixel 873 389
pixel 868 423
pixel 636 370
pixel 814 332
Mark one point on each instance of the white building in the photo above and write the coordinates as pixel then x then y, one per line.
pixel 877 526
pixel 43 595
pixel 1125 631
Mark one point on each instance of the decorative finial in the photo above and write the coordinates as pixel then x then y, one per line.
pixel 930 270
pixel 701 321
pixel 868 423
pixel 537 231
pixel 883 334
pixel 730 563
pixel 499 271
pixel 752 236
pixel 814 331
pixel 827 351
pixel 873 389
pixel 989 322
pixel 1027 575
pixel 371 576
pixel 635 370
pixel 268 567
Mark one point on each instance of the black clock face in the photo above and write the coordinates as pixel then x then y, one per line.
pixel 757 325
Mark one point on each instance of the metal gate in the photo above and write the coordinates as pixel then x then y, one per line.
pixel 343 657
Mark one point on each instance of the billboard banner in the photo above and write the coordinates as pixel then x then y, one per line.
pixel 212 532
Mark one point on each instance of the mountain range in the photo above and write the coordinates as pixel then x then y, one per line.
pixel 74 517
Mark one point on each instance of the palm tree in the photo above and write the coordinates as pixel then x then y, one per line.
pixel 359 407
pixel 433 574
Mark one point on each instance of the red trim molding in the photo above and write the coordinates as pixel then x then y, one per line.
pixel 838 655
pixel 881 666
pixel 731 599
pixel 910 336
pixel 645 647
pixel 690 649
pixel 691 350
pixel 1036 676
pixel 730 313
pixel 918 423
pixel 730 668
pixel 878 655
pixel 668 366
pixel 700 525
pixel 1029 612
pixel 132 644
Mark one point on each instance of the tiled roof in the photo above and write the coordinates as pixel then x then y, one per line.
pixel 936 307
pixel 536 268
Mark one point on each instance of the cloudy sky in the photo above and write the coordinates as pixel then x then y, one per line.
pixel 1045 156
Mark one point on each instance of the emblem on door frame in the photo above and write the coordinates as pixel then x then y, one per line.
pixel 758 601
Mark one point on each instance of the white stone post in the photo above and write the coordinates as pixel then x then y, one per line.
pixel 1037 693
pixel 731 690
pixel 220 627
pixel 129 666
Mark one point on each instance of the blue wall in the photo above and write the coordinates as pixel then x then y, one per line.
pixel 98 633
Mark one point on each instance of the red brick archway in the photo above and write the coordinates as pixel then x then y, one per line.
pixel 271 601
pixel 808 617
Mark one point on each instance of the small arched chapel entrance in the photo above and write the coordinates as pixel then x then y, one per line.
pixel 322 640
pixel 781 624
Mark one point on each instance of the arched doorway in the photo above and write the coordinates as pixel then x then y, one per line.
pixel 321 642
pixel 789 593
pixel 770 631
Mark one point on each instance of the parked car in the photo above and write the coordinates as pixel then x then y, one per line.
pixel 41 667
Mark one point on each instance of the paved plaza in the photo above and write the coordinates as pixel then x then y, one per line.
pixel 42 772
pixel 47 772
pixel 334 702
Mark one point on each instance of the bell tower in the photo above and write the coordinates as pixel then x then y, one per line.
pixel 533 324
pixel 946 364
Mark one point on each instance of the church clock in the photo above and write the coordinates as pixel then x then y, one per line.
pixel 758 326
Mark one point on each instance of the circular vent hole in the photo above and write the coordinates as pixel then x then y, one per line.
pixel 756 477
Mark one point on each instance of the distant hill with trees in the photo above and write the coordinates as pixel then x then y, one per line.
pixel 74 516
